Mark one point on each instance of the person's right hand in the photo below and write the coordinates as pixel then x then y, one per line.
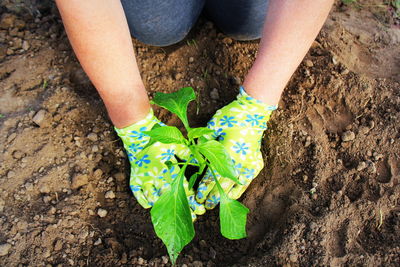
pixel 239 127
pixel 150 177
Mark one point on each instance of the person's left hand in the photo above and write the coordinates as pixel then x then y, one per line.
pixel 239 127
pixel 150 177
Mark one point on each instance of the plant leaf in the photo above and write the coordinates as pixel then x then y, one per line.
pixel 166 135
pixel 152 141
pixel 172 219
pixel 192 180
pixel 219 159
pixel 233 217
pixel 199 157
pixel 197 132
pixel 176 102
pixel 201 140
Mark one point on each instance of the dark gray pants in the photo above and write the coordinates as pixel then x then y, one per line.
pixel 165 22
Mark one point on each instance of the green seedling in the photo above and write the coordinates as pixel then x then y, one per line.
pixel 205 75
pixel 2 115
pixel 170 214
pixel 45 84
pixel 192 42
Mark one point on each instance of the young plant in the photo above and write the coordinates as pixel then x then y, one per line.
pixel 170 214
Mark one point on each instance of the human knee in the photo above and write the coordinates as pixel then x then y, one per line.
pixel 239 19
pixel 160 22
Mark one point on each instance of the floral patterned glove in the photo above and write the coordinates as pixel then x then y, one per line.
pixel 150 176
pixel 239 126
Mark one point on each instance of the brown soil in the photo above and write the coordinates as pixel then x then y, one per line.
pixel 329 195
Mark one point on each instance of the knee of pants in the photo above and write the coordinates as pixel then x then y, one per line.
pixel 241 20
pixel 159 38
pixel 244 34
pixel 160 22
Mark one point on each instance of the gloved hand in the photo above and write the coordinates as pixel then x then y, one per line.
pixel 150 177
pixel 239 127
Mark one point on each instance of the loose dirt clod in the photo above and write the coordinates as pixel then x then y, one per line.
pixel 92 137
pixel 348 136
pixel 4 249
pixel 7 21
pixel 79 180
pixel 109 195
pixel 44 188
pixel 361 166
pixel 39 117
pixel 102 213
pixel 10 174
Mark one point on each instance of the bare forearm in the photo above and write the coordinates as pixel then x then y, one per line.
pixel 99 34
pixel 290 28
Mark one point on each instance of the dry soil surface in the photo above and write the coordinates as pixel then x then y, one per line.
pixel 328 196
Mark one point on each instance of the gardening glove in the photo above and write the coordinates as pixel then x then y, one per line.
pixel 239 127
pixel 150 176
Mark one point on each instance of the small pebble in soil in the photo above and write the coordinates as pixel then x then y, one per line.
pixel 361 166
pixel 58 245
pixel 110 195
pixel 17 154
pixel 293 258
pixel 214 94
pixel 309 63
pixel 164 259
pixel 178 76
pixel 140 260
pixel 79 180
pixel 213 253
pixel 44 188
pixel 98 242
pixel 4 249
pixel 39 117
pixel 371 167
pixel 102 213
pixel 46 199
pixel 25 45
pixel 203 243
pixel 98 173
pixel 92 137
pixel 10 174
pixel 344 72
pixel 2 204
pixel 29 186
pixel 364 129
pixel 197 264
pixel 191 59
pixel 308 141
pixel 348 136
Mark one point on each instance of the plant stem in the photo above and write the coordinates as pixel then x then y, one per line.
pixel 220 189
pixel 183 163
